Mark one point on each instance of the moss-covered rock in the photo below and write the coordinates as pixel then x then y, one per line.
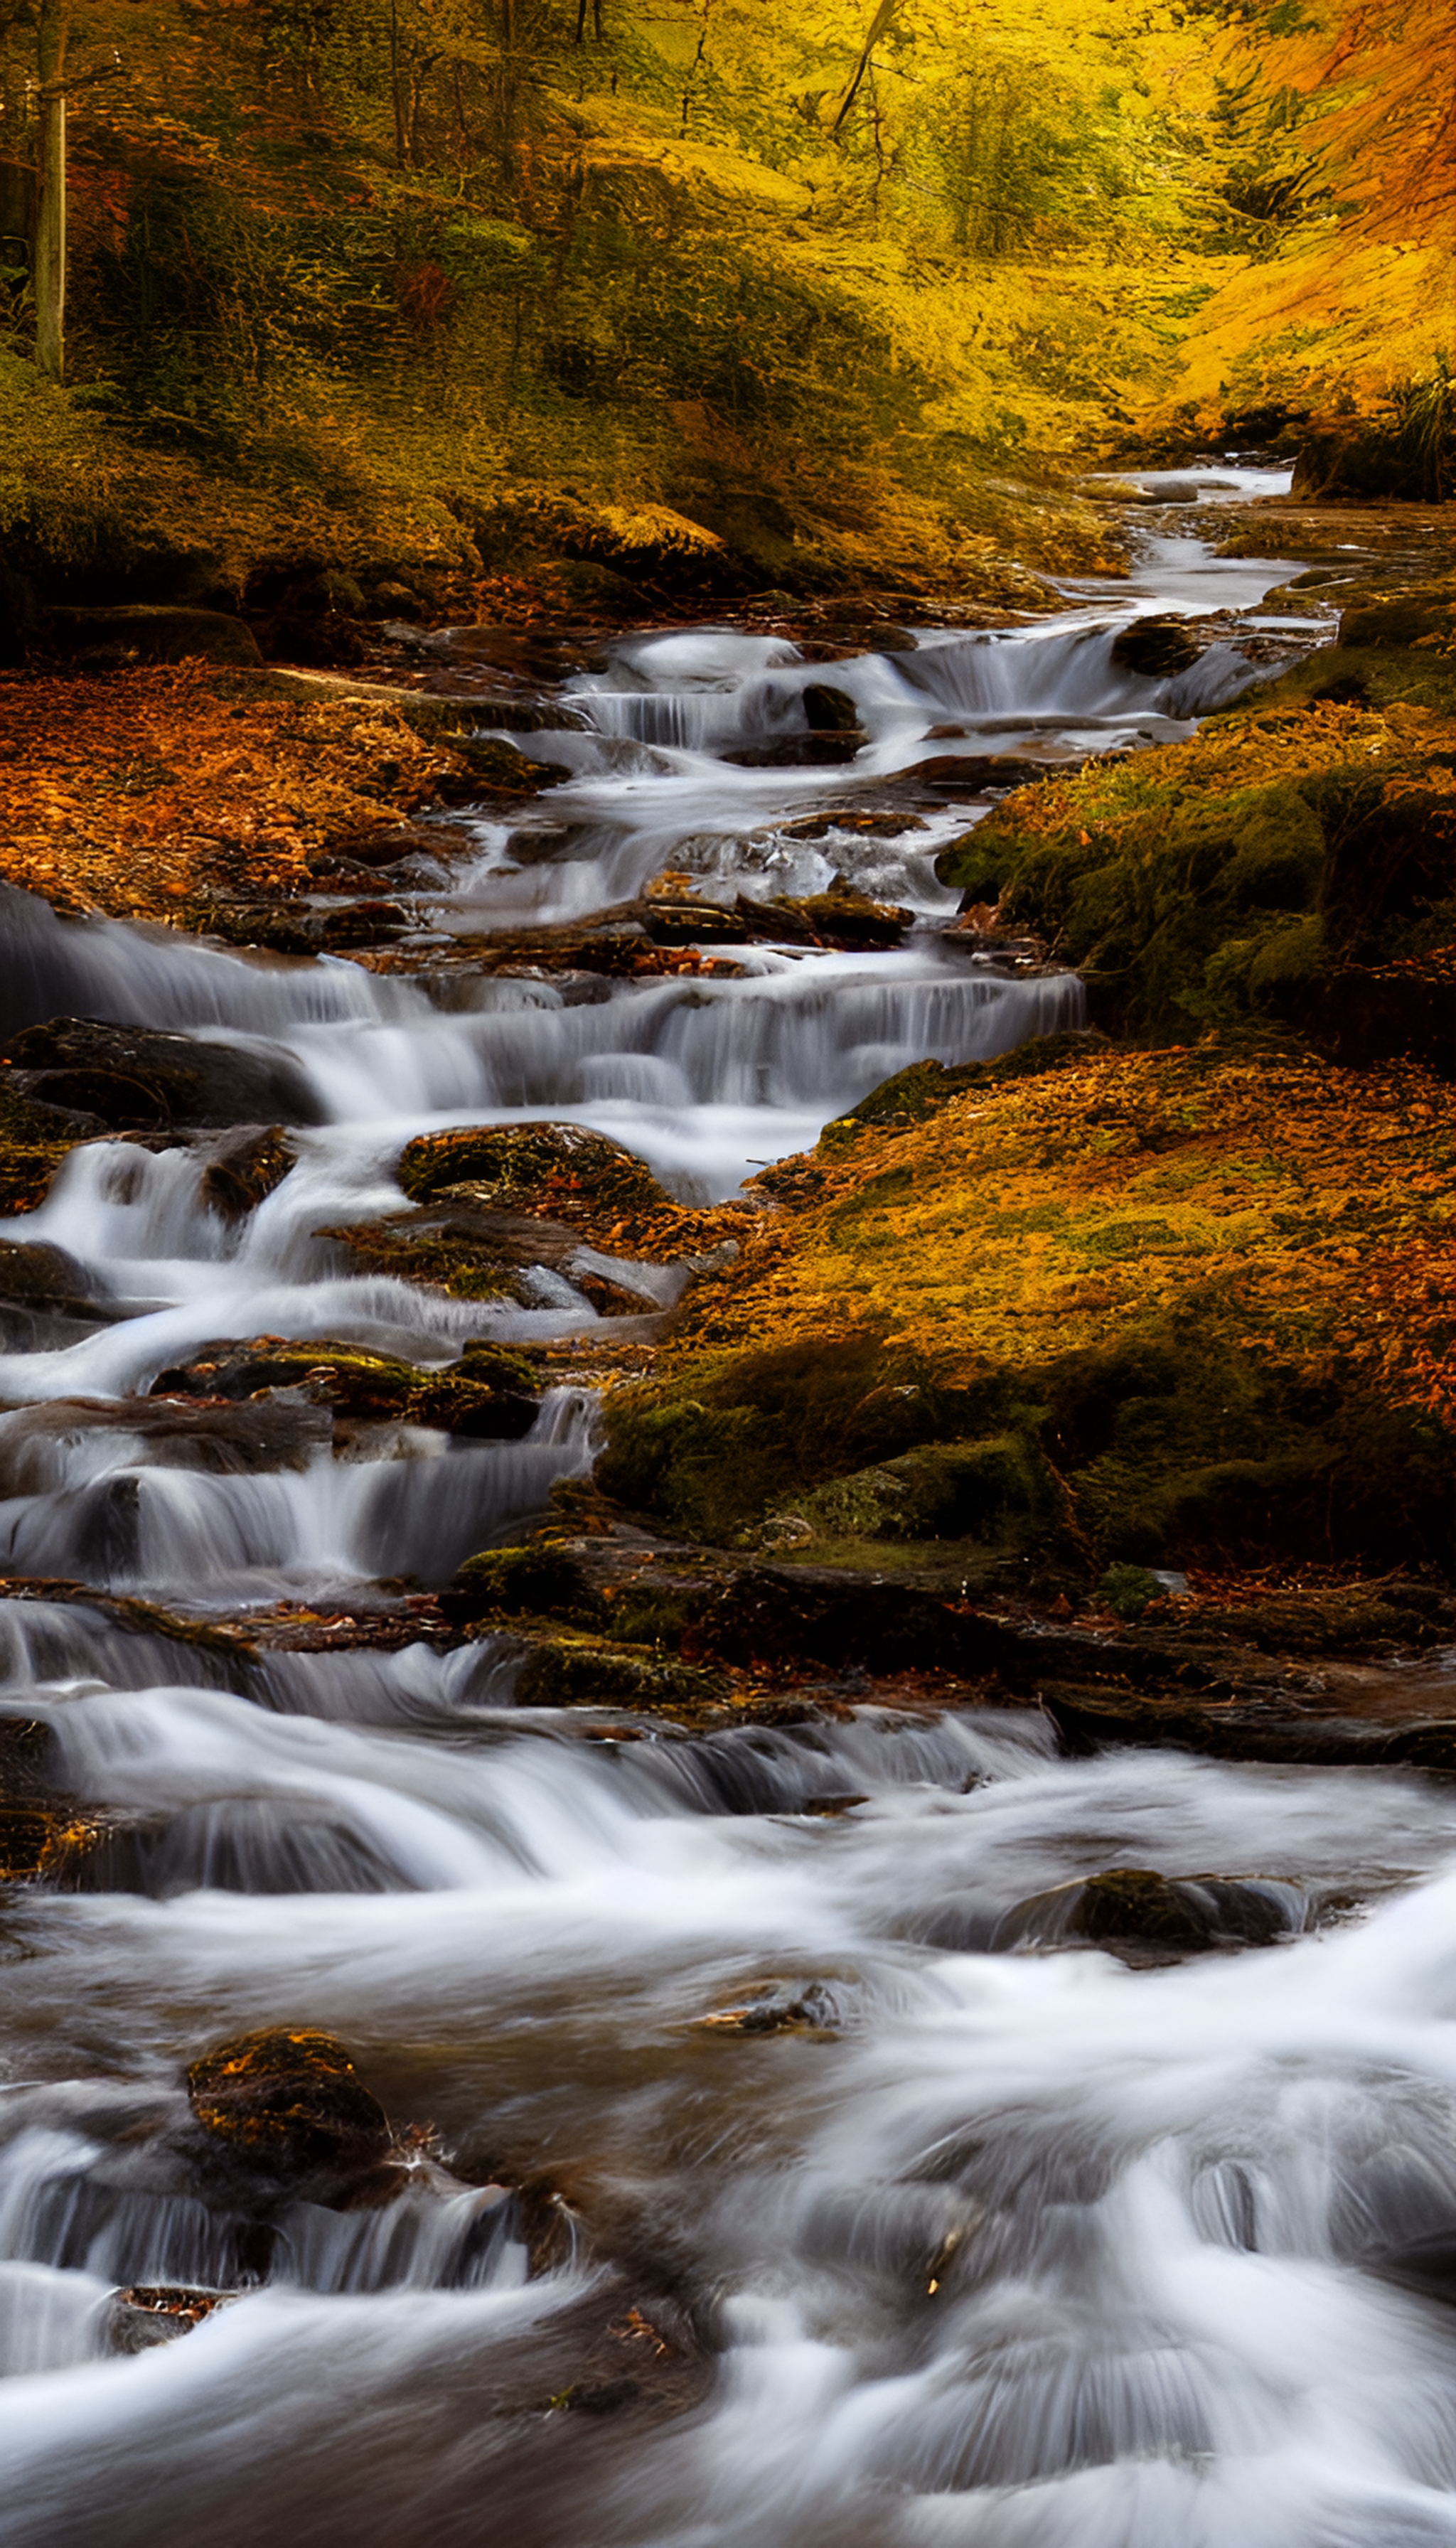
pixel 541 1165
pixel 1263 870
pixel 533 1580
pixel 977 1490
pixel 494 1201
pixel 1137 1913
pixel 490 1394
pixel 575 1671
pixel 1140 1309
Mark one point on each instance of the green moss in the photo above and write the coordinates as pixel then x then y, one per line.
pixel 536 1580
pixel 564 1671
pixel 1222 905
pixel 1365 674
pixel 1127 1590
pixel 983 1491
pixel 768 1424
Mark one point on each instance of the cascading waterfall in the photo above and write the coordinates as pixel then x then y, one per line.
pixel 962 2235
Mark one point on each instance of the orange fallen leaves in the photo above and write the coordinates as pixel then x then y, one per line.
pixel 135 791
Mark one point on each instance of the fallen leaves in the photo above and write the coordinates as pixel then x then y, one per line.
pixel 142 791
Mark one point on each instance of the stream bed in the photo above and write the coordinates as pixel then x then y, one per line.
pixel 792 2182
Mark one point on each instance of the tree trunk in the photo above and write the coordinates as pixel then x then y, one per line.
pixel 397 90
pixel 50 273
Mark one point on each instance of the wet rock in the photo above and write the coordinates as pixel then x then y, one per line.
pixel 490 1395
pixel 153 632
pixel 807 750
pixel 830 712
pixel 852 819
pixel 532 1581
pixel 480 1249
pixel 1136 1912
pixel 38 1276
pixel 811 2012
pixel 28 1833
pixel 1155 648
pixel 284 928
pixel 41 1828
pixel 288 2105
pixel 363 924
pixel 531 1162
pixel 768 1615
pixel 250 1845
pixel 948 773
pixel 33 1139
pixel 222 1440
pixel 142 1080
pixel 245 1171
pixel 678 921
pixel 147 2313
pixel 388 847
pixel 775 921
pixel 578 1671
pixel 494 769
pixel 841 917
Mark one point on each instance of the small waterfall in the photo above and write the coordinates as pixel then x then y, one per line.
pixel 87 1504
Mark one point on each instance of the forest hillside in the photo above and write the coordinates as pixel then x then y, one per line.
pixel 819 296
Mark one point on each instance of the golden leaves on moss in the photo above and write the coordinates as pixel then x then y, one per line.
pixel 1310 1212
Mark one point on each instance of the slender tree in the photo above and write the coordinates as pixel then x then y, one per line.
pixel 49 272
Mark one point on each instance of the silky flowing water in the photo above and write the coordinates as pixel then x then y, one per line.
pixel 995 2240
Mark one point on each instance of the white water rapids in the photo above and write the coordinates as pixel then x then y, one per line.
pixel 1002 2246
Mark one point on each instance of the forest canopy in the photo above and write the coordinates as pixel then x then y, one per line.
pixel 719 257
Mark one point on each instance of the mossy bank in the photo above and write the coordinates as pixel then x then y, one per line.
pixel 1145 1306
pixel 1293 864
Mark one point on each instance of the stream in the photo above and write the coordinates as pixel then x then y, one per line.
pixel 877 2215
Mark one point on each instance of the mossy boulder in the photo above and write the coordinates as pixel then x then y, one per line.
pixel 976 1490
pixel 566 1669
pixel 532 1163
pixel 1147 1917
pixel 37 1276
pixel 536 1580
pixel 491 1394
pixel 288 2105
pixel 150 632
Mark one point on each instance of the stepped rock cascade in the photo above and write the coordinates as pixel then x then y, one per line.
pixel 775 2158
